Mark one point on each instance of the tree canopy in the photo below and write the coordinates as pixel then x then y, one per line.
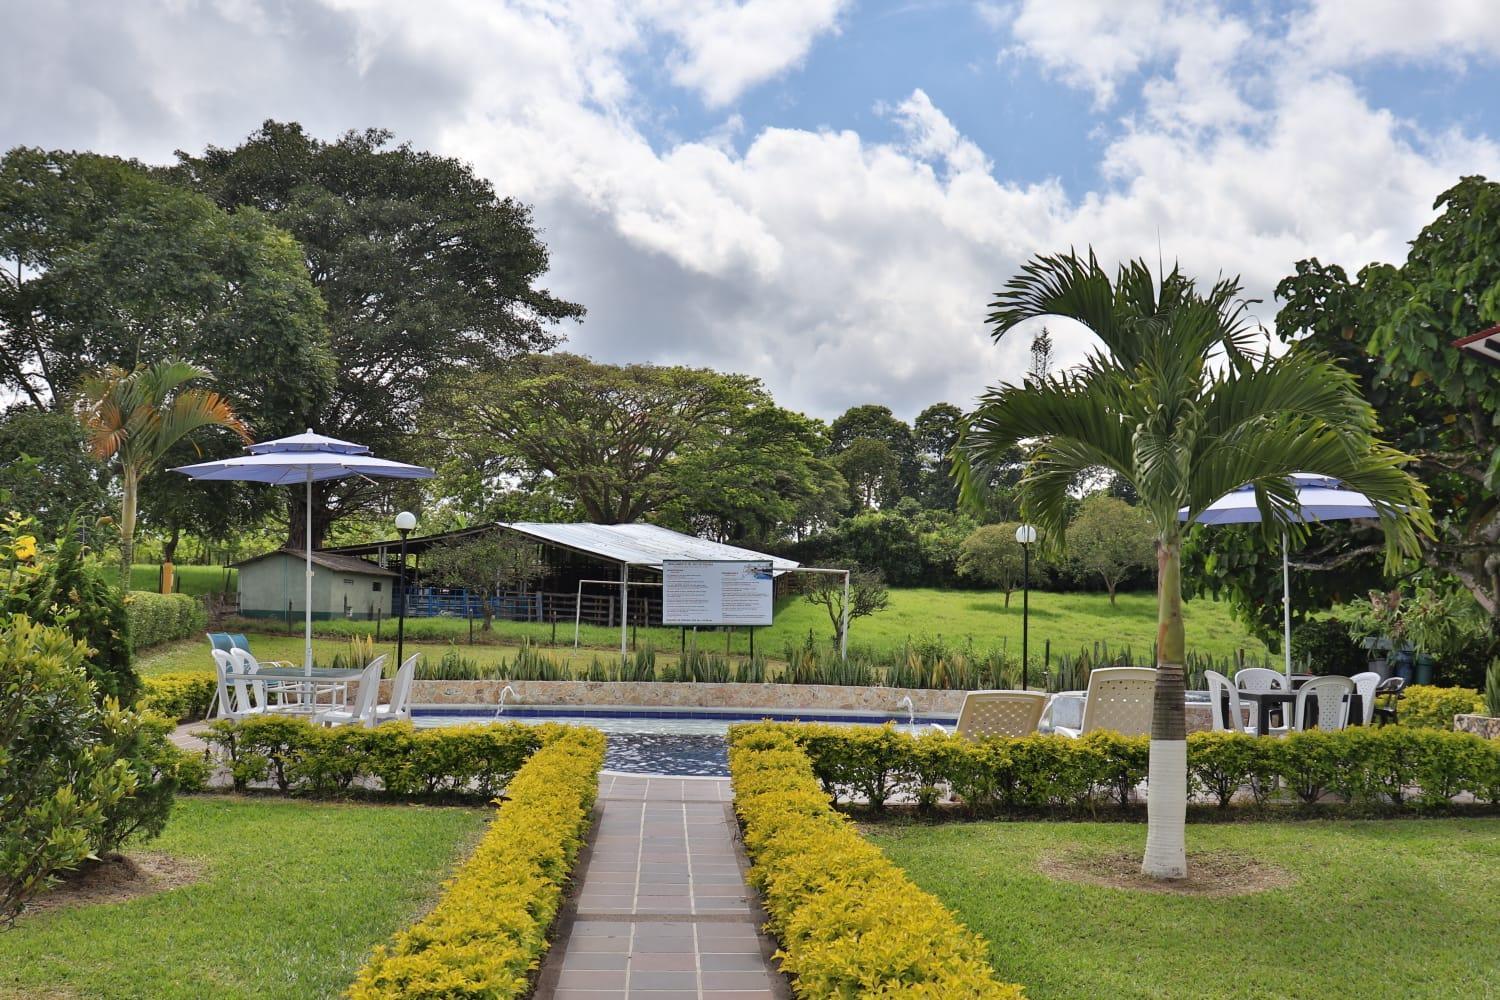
pixel 1110 539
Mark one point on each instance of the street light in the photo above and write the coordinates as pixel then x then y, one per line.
pixel 405 521
pixel 1025 534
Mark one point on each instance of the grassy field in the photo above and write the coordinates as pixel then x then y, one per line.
pixel 1070 621
pixel 192 579
pixel 1377 909
pixel 293 897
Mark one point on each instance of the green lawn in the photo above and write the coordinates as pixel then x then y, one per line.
pixel 192 579
pixel 1071 621
pixel 1378 909
pixel 294 897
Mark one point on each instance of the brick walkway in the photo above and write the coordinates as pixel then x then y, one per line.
pixel 663 911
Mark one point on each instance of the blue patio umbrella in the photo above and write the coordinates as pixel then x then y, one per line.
pixel 304 459
pixel 1319 498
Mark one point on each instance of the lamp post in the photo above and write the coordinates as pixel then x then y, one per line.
pixel 1025 534
pixel 405 521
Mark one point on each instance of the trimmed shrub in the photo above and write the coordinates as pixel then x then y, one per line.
pixel 185 697
pixel 158 618
pixel 1427 706
pixel 298 757
pixel 487 935
pixel 1363 766
pixel 850 922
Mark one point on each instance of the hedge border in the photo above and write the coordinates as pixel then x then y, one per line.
pixel 849 920
pixel 185 696
pixel 157 618
pixel 487 934
pixel 1369 768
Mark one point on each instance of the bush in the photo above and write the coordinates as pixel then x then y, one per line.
pixel 159 618
pixel 184 697
pixel 1324 646
pixel 59 783
pixel 850 922
pixel 1429 707
pixel 298 757
pixel 486 936
pixel 1364 766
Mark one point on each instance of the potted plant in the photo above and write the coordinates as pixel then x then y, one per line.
pixel 1432 627
pixel 1488 723
pixel 1376 625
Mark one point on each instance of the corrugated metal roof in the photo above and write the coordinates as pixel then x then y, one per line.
pixel 640 544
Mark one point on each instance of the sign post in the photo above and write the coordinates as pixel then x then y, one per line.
pixel 716 592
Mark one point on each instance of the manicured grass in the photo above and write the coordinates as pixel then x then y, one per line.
pixel 1071 621
pixel 294 897
pixel 1378 909
pixel 194 580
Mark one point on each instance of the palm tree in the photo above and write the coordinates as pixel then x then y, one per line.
pixel 1177 405
pixel 135 417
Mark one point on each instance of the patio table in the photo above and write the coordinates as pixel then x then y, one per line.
pixel 314 682
pixel 1266 700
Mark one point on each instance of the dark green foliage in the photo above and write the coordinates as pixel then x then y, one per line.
pixel 1323 646
pixel 46 469
pixel 1365 767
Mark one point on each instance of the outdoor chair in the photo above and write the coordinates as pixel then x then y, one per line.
pixel 1333 703
pixel 1221 690
pixel 1260 680
pixel 1118 699
pixel 1392 689
pixel 361 710
pixel 400 703
pixel 1367 684
pixel 234 698
pixel 226 641
pixel 287 693
pixel 999 713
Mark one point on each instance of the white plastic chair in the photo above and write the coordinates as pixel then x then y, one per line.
pixel 1365 684
pixel 1333 703
pixel 1260 679
pixel 287 693
pixel 362 710
pixel 400 703
pixel 1220 690
pixel 1118 698
pixel 999 713
pixel 234 699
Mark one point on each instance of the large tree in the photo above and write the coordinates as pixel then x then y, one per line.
pixel 936 432
pixel 1176 403
pixel 609 435
pixel 423 267
pixel 46 469
pixel 877 423
pixel 991 555
pixel 1110 539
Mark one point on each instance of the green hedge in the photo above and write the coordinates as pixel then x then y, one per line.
pixel 850 923
pixel 1384 767
pixel 487 935
pixel 297 757
pixel 158 618
pixel 1427 706
pixel 185 697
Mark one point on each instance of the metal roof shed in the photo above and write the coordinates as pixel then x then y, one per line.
pixel 644 545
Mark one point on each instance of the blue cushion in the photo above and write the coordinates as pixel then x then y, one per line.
pixel 220 641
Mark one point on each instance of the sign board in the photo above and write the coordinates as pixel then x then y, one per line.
pixel 715 592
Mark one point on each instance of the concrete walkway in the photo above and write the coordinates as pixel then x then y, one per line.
pixel 663 910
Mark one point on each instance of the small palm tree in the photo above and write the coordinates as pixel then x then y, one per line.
pixel 1177 405
pixel 135 417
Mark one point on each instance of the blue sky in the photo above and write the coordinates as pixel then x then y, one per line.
pixel 825 193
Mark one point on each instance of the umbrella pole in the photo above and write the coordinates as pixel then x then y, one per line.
pixel 307 583
pixel 1286 609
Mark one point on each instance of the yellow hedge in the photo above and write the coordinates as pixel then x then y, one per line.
pixel 487 935
pixel 851 924
pixel 1427 706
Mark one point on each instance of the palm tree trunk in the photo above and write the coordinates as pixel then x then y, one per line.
pixel 130 484
pixel 1166 802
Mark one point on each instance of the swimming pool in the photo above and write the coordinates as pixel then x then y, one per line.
pixel 664 741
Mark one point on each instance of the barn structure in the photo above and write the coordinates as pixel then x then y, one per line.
pixel 271 586
pixel 602 574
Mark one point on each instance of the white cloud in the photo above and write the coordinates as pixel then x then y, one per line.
pixel 840 269
pixel 1342 32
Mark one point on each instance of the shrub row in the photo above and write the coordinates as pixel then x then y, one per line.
pixel 850 922
pixel 1427 706
pixel 185 697
pixel 1383 767
pixel 486 936
pixel 298 757
pixel 158 618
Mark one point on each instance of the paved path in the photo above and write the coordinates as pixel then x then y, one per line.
pixel 663 911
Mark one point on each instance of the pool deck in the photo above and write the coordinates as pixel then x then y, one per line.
pixel 662 910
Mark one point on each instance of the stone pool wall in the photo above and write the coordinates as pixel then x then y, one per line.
pixel 1484 725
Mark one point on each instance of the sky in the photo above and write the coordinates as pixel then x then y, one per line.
pixel 827 193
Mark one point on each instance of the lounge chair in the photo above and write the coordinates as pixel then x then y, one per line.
pixel 1333 703
pixel 999 713
pixel 361 710
pixel 1118 699
pixel 400 703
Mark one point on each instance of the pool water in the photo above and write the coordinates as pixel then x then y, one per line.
pixel 685 743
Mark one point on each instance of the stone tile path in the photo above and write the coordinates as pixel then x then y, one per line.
pixel 663 911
